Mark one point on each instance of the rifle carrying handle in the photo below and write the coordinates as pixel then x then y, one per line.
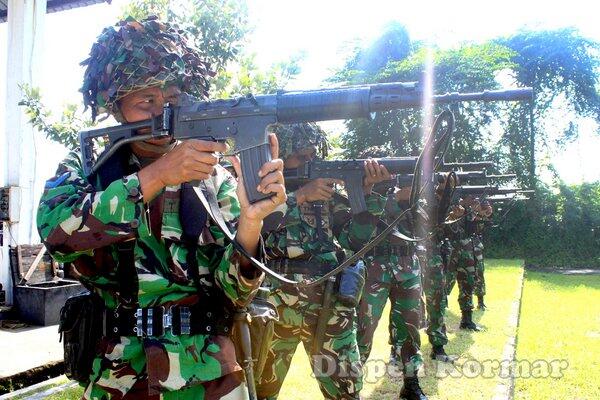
pixel 252 159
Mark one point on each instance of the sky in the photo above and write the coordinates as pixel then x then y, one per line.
pixel 322 30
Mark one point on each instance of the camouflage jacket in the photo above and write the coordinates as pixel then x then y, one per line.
pixel 401 267
pixel 297 237
pixel 82 225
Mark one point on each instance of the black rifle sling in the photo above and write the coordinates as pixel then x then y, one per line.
pixel 209 200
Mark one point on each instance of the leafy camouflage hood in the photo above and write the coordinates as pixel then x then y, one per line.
pixel 296 137
pixel 136 55
pixel 375 152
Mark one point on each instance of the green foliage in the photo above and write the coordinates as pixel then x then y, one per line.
pixel 554 229
pixel 562 67
pixel 65 130
pixel 245 77
pixel 217 27
pixel 469 68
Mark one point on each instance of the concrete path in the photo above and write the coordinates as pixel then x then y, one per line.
pixel 26 348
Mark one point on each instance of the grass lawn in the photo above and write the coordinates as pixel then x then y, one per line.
pixel 502 277
pixel 548 298
pixel 560 320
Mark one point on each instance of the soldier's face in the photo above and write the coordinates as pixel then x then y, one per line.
pixel 147 103
pixel 298 159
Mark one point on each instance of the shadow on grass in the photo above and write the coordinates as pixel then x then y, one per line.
pixel 556 280
pixel 390 385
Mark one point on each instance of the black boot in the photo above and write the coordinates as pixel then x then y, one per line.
pixel 411 390
pixel 439 354
pixel 394 357
pixel 480 303
pixel 467 322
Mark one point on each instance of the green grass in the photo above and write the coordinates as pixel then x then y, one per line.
pixel 503 279
pixel 560 320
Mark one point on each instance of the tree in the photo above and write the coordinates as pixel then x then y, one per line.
pixel 562 67
pixel 65 130
pixel 469 68
pixel 217 27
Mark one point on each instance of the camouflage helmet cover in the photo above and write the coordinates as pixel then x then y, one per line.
pixel 296 137
pixel 135 55
pixel 375 152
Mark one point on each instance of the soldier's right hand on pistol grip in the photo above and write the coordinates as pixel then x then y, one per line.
pixel 190 160
pixel 320 189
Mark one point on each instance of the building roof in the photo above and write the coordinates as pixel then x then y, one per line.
pixel 53 6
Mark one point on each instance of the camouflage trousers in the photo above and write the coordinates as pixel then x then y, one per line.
pixel 479 289
pixel 337 366
pixel 399 280
pixel 461 269
pixel 436 299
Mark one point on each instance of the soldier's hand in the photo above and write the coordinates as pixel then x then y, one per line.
pixel 403 193
pixel 456 212
pixel 374 173
pixel 272 181
pixel 190 160
pixel 320 189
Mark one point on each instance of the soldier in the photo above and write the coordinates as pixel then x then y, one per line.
pixel 316 226
pixel 393 272
pixel 431 219
pixel 461 266
pixel 140 238
pixel 482 217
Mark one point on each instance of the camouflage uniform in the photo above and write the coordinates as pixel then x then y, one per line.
pixel 436 300
pixel 337 367
pixel 433 267
pixel 479 289
pixel 461 265
pixel 82 225
pixel 394 273
pixel 86 225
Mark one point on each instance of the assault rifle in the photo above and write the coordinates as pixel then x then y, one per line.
pixel 405 180
pixel 243 121
pixel 467 166
pixel 489 191
pixel 352 172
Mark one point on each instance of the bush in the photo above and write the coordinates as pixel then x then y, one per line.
pixel 552 230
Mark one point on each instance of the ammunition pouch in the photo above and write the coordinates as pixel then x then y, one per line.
pixel 351 283
pixel 260 319
pixel 80 330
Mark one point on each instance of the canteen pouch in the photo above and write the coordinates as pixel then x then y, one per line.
pixel 351 283
pixel 80 330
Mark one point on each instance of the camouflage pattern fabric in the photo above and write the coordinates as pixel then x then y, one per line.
pixel 396 278
pixel 136 55
pixel 461 269
pixel 337 368
pixel 82 225
pixel 434 271
pixel 399 279
pixel 479 289
pixel 296 137
pixel 436 299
